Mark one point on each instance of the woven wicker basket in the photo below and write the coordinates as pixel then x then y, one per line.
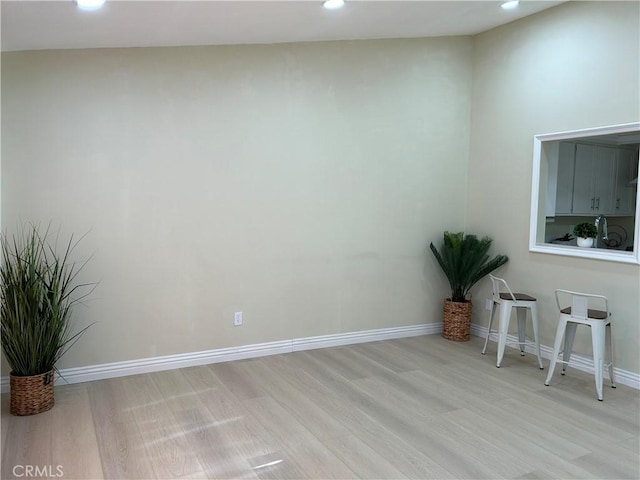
pixel 31 395
pixel 456 324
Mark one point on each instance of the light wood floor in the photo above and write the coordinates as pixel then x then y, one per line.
pixel 420 407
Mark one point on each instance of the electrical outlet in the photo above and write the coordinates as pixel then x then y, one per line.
pixel 488 304
pixel 237 319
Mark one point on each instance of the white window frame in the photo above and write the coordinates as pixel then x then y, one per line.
pixel 537 219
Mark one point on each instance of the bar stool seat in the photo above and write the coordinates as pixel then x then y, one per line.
pixel 591 313
pixel 506 302
pixel 520 297
pixel 579 313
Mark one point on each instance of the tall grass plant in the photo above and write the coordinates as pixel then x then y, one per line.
pixel 39 291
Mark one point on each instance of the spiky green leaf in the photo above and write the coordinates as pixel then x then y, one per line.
pixel 465 260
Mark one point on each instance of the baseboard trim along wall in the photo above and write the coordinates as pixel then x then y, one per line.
pixel 169 362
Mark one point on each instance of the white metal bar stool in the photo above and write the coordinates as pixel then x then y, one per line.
pixel 599 320
pixel 507 301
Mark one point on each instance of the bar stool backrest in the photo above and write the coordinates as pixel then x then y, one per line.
pixel 495 287
pixel 580 303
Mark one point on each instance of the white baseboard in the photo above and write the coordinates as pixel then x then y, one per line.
pixel 169 362
pixel 579 362
pixel 325 341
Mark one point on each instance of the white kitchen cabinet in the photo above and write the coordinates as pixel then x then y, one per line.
pixel 625 193
pixel 594 180
pixel 564 178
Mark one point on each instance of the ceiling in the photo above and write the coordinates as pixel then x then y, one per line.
pixel 42 25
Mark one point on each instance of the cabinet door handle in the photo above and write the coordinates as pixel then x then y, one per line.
pixel 598 203
pixel 592 202
pixel 617 203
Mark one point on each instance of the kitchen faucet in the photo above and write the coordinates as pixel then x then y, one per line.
pixel 599 219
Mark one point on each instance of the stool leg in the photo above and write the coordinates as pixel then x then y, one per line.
pixel 491 315
pixel 597 339
pixel 556 349
pixel 568 345
pixel 536 337
pixel 521 314
pixel 503 327
pixel 610 348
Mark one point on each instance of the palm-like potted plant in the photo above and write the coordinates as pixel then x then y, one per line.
pixel 38 293
pixel 465 260
pixel 585 233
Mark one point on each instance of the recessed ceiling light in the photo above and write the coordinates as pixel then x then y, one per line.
pixel 89 4
pixel 510 5
pixel 333 4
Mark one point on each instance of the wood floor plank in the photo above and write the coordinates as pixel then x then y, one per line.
pixel 625 466
pixel 516 444
pixel 436 351
pixel 566 421
pixel 317 461
pixel 358 456
pixel 625 420
pixel 202 380
pixel 274 466
pixel 380 353
pixel 29 441
pixel 405 395
pixel 163 437
pixel 122 451
pixel 218 458
pixel 351 365
pixel 492 457
pixel 232 377
pixel 401 454
pixel 240 430
pixel 402 423
pixel 218 452
pixel 419 407
pixel 176 390
pixel 312 457
pixel 632 444
pixel 75 448
pixel 536 433
pixel 276 419
pixel 303 408
pixel 5 418
pixel 565 471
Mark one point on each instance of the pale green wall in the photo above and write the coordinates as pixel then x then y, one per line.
pixel 297 183
pixel 574 66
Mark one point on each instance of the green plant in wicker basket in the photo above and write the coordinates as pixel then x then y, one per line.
pixel 464 259
pixel 38 293
pixel 585 230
